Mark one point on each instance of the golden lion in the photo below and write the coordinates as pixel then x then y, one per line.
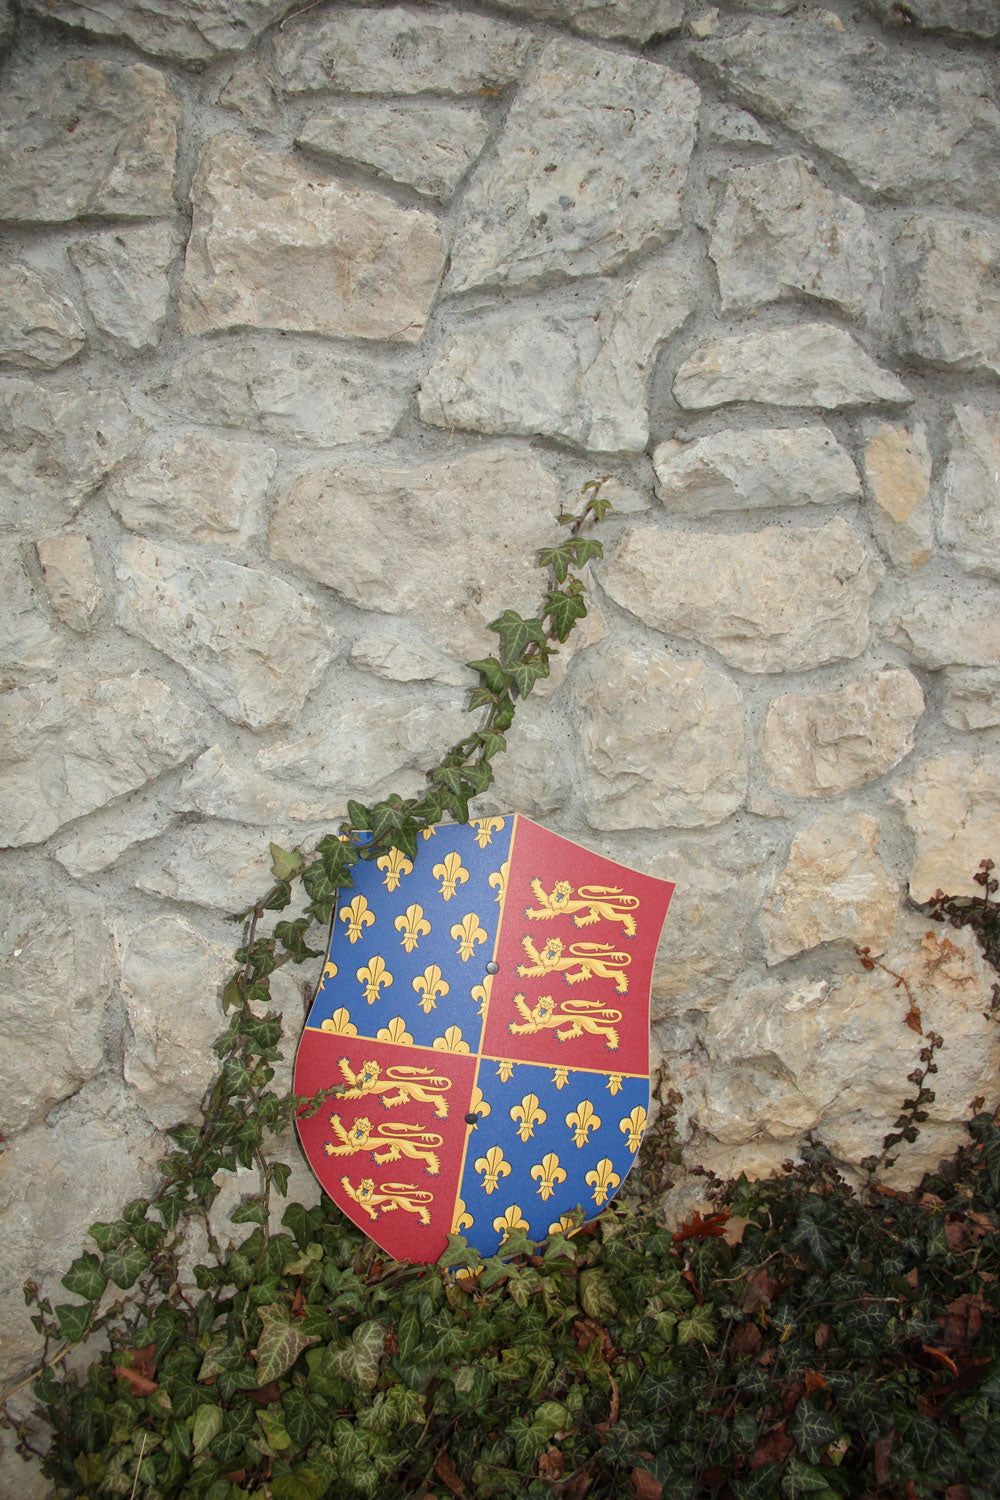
pixel 393 1141
pixel 583 961
pixel 390 1195
pixel 421 1084
pixel 607 901
pixel 577 1016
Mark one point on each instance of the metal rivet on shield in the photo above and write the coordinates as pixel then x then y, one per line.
pixel 492 968
pixel 472 1119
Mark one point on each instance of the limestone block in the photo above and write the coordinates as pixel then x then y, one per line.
pixel 970 521
pixel 662 740
pixel 832 1055
pixel 811 364
pixel 106 835
pixel 725 124
pixel 56 449
pixel 86 136
pixel 950 305
pixel 396 661
pixel 635 21
pixel 200 486
pixel 535 774
pixel 72 582
pixel 823 744
pixel 778 232
pixel 171 976
pixel 430 146
pixel 185 31
pixel 776 600
pixel 8 24
pixel 976 18
pixel 829 84
pixel 39 326
pixel 125 281
pixel 251 90
pixel 274 246
pixel 442 543
pixel 970 699
pixel 216 864
pixel 289 391
pixel 952 805
pixel 589 170
pixel 27 640
pixel 71 746
pixel 218 788
pixel 56 970
pixel 571 375
pixel 754 468
pixel 944 626
pixel 399 50
pixel 897 464
pixel 254 645
pixel 833 888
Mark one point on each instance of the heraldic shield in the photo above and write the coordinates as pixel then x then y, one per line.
pixel 484 1009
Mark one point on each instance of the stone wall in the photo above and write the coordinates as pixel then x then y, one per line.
pixel 312 317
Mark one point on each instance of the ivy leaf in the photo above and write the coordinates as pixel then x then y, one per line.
pixel 697 1327
pixel 802 1479
pixel 279 1345
pixel 285 862
pixel 303 1222
pixel 564 610
pixel 358 1361
pixel 84 1278
pixel 303 1484
pixel 812 1429
pixel 359 816
pixel 108 1235
pixel 516 633
pixel 526 673
pixel 494 675
pixel 124 1267
pixel 386 819
pixel 585 550
pixel 253 1211
pixel 206 1424
pixel 73 1319
pixel 559 559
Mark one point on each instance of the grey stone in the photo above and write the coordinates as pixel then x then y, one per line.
pixel 970 698
pixel 528 776
pixel 86 136
pixel 57 447
pixel 754 468
pixel 396 661
pixel 251 90
pixel 461 529
pixel 823 744
pixel 69 747
pixel 39 326
pixel 254 645
pixel 778 232
pixel 970 521
pixel 632 706
pixel 897 466
pixel 290 391
pixel 589 170
pixel 27 640
pixel 72 581
pixel 273 247
pixel 811 364
pixel 950 303
pixel 8 24
pixel 729 126
pixel 942 626
pixel 568 375
pixel 781 599
pixel 428 145
pixel 185 31
pixel 56 973
pixel 216 864
pixel 829 83
pixel 834 888
pixel 952 805
pixel 976 18
pixel 199 486
pixel 635 21
pixel 106 835
pixel 125 275
pixel 399 50
pixel 217 788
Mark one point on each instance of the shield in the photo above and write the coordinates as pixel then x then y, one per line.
pixel 484 1009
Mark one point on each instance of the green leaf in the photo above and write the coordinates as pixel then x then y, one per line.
pixel 358 1361
pixel 303 1222
pixel 586 549
pixel 812 1429
pixel 494 675
pixel 698 1327
pixel 299 1415
pixel 526 673
pixel 359 816
pixel 73 1319
pixel 802 1479
pixel 563 610
pixel 559 559
pixel 108 1235
pixel 84 1278
pixel 253 1211
pixel 279 1345
pixel 303 1484
pixel 516 633
pixel 285 862
pixel 205 1425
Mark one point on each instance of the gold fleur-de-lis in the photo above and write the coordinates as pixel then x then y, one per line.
pixel 565 1224
pixel 548 1174
pixel 614 1083
pixel 467 934
pixel 451 1042
pixel 582 1120
pixel 478 1105
pixel 329 972
pixel 530 1114
pixel 603 1180
pixel 509 1220
pixel 560 1077
pixel 481 993
pixel 461 1220
pixel 634 1126
pixel 493 1167
pixel 358 917
pixel 485 829
pixel 498 880
pixel 428 986
pixel 373 976
pixel 396 865
pixel 428 833
pixel 505 1069
pixel 413 925
pixel 451 873
pixel 340 1023
pixel 395 1032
